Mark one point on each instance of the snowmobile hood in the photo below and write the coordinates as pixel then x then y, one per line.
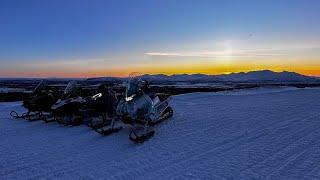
pixel 64 102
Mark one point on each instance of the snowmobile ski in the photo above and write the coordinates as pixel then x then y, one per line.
pixel 167 114
pixel 139 139
pixel 109 130
pixel 28 116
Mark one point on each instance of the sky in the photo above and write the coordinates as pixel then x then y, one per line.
pixel 94 38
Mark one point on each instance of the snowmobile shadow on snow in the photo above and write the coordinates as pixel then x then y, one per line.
pixel 140 111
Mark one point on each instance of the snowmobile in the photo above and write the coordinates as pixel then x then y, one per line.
pixel 140 111
pixel 38 104
pixel 67 109
pixel 101 107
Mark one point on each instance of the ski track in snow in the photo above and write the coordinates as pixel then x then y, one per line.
pixel 251 134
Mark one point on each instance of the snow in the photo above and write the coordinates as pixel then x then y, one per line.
pixel 9 90
pixel 265 134
pixel 258 90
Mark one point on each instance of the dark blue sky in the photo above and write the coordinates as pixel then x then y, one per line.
pixel 47 36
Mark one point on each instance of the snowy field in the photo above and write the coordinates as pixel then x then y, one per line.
pixel 10 90
pixel 248 134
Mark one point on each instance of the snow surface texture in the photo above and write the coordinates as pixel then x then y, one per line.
pixel 259 90
pixel 9 90
pixel 269 135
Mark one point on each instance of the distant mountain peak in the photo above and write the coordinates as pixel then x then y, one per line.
pixel 251 76
pixel 266 75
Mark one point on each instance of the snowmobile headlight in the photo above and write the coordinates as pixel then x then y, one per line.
pixel 130 98
pixel 97 96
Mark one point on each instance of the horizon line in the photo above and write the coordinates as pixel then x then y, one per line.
pixel 167 74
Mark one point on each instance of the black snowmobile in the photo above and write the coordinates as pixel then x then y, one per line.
pixel 140 111
pixel 67 109
pixel 100 108
pixel 38 104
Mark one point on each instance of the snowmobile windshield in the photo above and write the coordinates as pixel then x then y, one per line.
pixel 71 87
pixel 132 89
pixel 39 87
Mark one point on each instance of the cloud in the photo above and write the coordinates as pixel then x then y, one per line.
pixel 239 49
pixel 162 54
pixel 217 54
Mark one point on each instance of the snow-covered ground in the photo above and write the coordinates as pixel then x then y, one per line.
pixel 9 90
pixel 263 135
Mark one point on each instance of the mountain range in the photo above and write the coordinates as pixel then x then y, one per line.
pixel 252 76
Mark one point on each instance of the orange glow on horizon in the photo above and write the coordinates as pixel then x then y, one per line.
pixel 168 70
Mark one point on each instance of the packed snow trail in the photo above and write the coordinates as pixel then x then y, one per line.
pixel 260 135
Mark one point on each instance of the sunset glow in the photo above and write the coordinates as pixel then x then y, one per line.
pixel 51 39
